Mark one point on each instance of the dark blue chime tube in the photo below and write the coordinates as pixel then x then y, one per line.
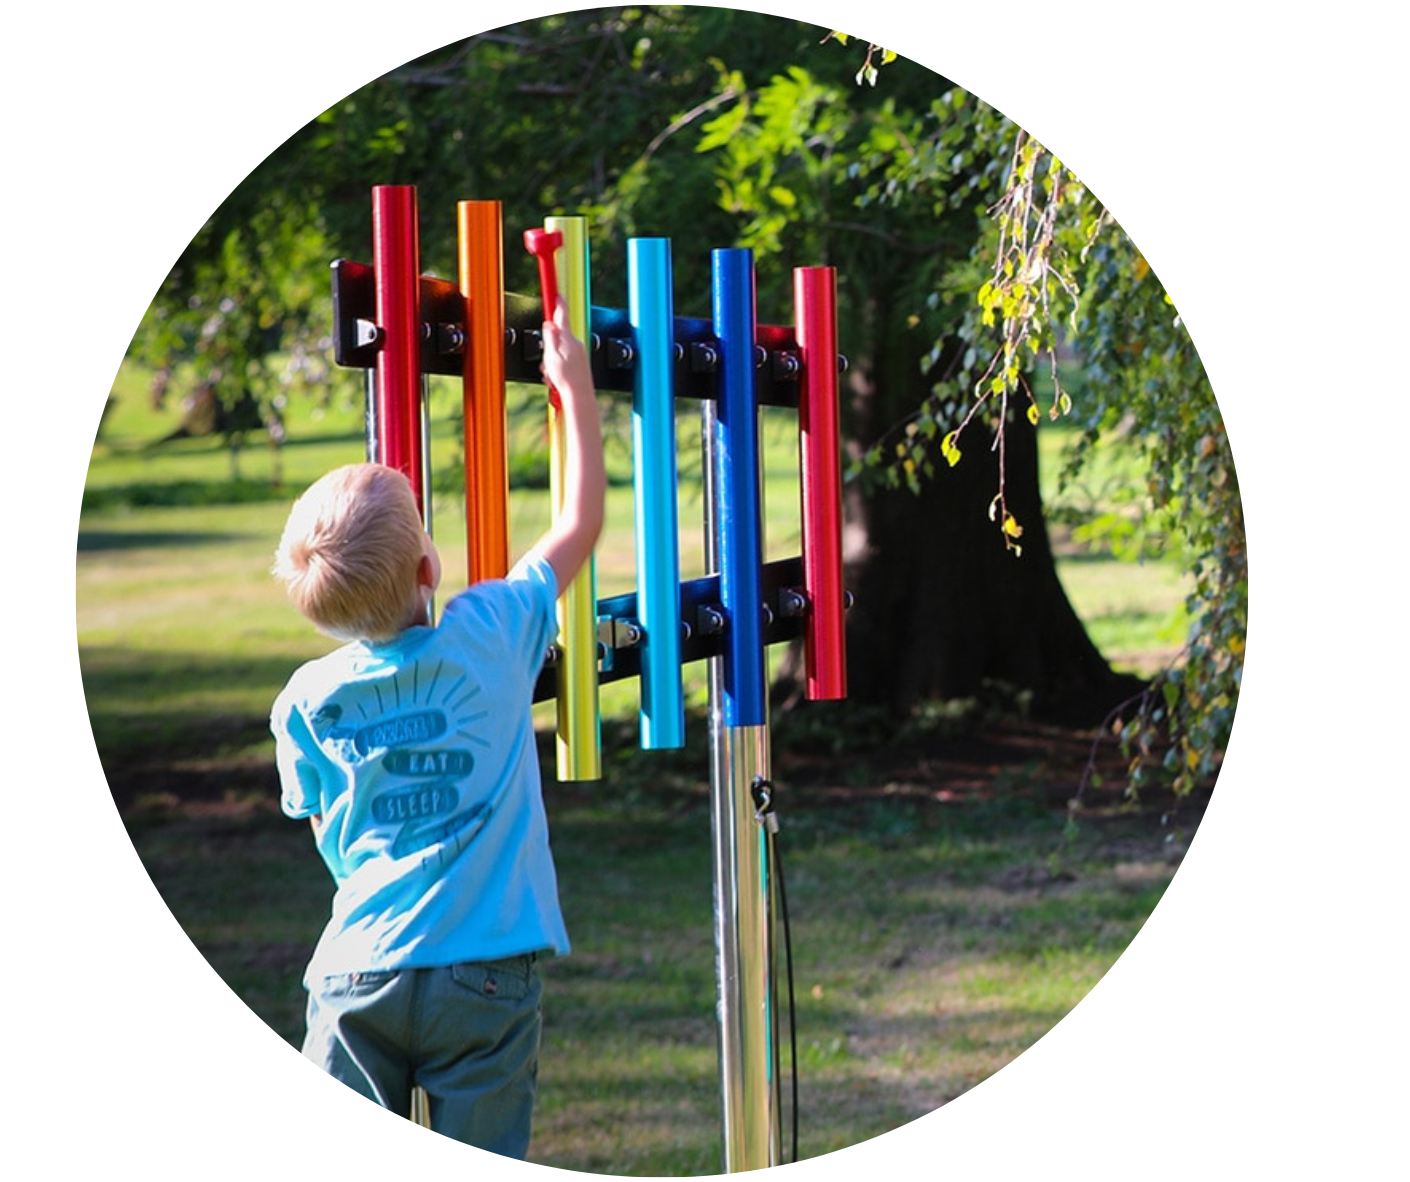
pixel 737 489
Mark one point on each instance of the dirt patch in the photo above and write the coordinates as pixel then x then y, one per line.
pixel 1053 767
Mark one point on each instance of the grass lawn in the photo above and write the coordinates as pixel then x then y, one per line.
pixel 943 916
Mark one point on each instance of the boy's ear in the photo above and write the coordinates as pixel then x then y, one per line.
pixel 426 573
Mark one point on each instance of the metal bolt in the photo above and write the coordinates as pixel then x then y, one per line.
pixel 791 602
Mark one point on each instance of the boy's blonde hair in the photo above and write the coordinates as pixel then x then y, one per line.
pixel 350 552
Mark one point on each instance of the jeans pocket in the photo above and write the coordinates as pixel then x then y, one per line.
pixel 496 980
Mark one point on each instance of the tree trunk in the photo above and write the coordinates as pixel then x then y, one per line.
pixel 942 608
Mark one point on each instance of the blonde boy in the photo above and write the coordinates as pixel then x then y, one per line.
pixel 411 750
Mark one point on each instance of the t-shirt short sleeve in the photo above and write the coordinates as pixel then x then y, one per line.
pixel 300 783
pixel 535 585
pixel 519 608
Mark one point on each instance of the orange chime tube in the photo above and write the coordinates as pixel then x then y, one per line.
pixel 481 259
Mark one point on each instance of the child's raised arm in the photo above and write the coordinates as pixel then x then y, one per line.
pixel 569 541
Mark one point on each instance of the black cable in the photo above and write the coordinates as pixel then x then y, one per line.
pixel 762 792
pixel 792 1016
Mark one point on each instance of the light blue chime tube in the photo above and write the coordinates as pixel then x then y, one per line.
pixel 652 317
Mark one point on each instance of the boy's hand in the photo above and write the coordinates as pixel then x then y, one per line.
pixel 565 359
pixel 568 544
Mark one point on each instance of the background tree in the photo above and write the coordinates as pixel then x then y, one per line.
pixel 1060 271
pixel 816 169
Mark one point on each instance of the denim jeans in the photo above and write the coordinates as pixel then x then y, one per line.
pixel 466 1033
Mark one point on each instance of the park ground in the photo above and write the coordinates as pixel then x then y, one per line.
pixel 952 891
pixel 947 902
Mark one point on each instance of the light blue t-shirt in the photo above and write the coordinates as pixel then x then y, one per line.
pixel 419 756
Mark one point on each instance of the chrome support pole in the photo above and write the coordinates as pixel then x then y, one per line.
pixel 744 918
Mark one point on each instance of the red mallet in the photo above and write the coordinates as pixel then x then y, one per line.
pixel 543 245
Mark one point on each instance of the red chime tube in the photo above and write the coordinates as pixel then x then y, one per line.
pixel 820 464
pixel 396 265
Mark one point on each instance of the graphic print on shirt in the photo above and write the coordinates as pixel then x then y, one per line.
pixel 415 734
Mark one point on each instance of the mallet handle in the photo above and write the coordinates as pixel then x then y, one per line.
pixel 543 245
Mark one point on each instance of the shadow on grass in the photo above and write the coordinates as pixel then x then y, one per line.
pixel 142 681
pixel 166 494
pixel 92 541
pixel 179 728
